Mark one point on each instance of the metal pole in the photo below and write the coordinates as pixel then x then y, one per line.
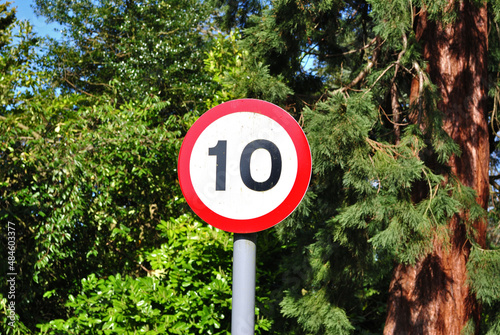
pixel 243 309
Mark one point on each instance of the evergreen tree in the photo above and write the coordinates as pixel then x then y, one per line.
pixel 400 111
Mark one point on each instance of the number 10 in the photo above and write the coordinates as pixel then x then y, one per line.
pixel 220 152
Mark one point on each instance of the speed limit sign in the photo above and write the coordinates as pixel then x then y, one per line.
pixel 244 165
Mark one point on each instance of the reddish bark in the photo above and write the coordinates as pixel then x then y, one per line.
pixel 432 296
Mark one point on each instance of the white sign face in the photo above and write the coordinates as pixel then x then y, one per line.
pixel 236 131
pixel 244 165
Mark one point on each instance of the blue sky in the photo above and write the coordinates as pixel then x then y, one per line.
pixel 26 12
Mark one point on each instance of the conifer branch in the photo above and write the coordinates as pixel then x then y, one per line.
pixel 380 77
pixel 354 50
pixel 388 149
pixel 391 121
pixel 396 64
pixel 494 122
pixel 431 194
pixel 395 106
pixel 362 75
pixel 422 78
pixel 493 181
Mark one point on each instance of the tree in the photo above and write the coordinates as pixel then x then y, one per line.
pixel 392 236
pixel 129 49
pixel 401 128
pixel 433 295
pixel 180 295
pixel 89 144
pixel 77 177
pixel 16 66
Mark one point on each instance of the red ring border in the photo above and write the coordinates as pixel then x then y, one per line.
pixel 297 192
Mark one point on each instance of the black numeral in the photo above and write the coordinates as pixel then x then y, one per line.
pixel 246 176
pixel 220 173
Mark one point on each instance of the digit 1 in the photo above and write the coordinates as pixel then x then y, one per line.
pixel 220 173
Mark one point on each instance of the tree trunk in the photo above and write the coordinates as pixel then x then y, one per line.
pixel 432 296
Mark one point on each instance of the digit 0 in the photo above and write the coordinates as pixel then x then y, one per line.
pixel 246 155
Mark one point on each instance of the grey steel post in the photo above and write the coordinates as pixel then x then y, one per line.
pixel 243 309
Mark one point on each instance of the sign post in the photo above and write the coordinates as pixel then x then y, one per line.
pixel 244 260
pixel 243 167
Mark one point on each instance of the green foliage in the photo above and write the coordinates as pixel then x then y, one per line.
pixel 87 178
pixel 392 20
pixel 378 178
pixel 231 13
pixel 318 316
pixel 89 136
pixel 18 46
pixel 180 295
pixel 376 221
pixel 378 196
pixel 129 50
pixel 240 75
pixel 348 123
pixel 291 31
pixel 84 194
pixel 484 271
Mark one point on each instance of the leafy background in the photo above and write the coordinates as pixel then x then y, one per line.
pixel 91 122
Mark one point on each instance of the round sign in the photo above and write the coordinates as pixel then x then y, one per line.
pixel 244 165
